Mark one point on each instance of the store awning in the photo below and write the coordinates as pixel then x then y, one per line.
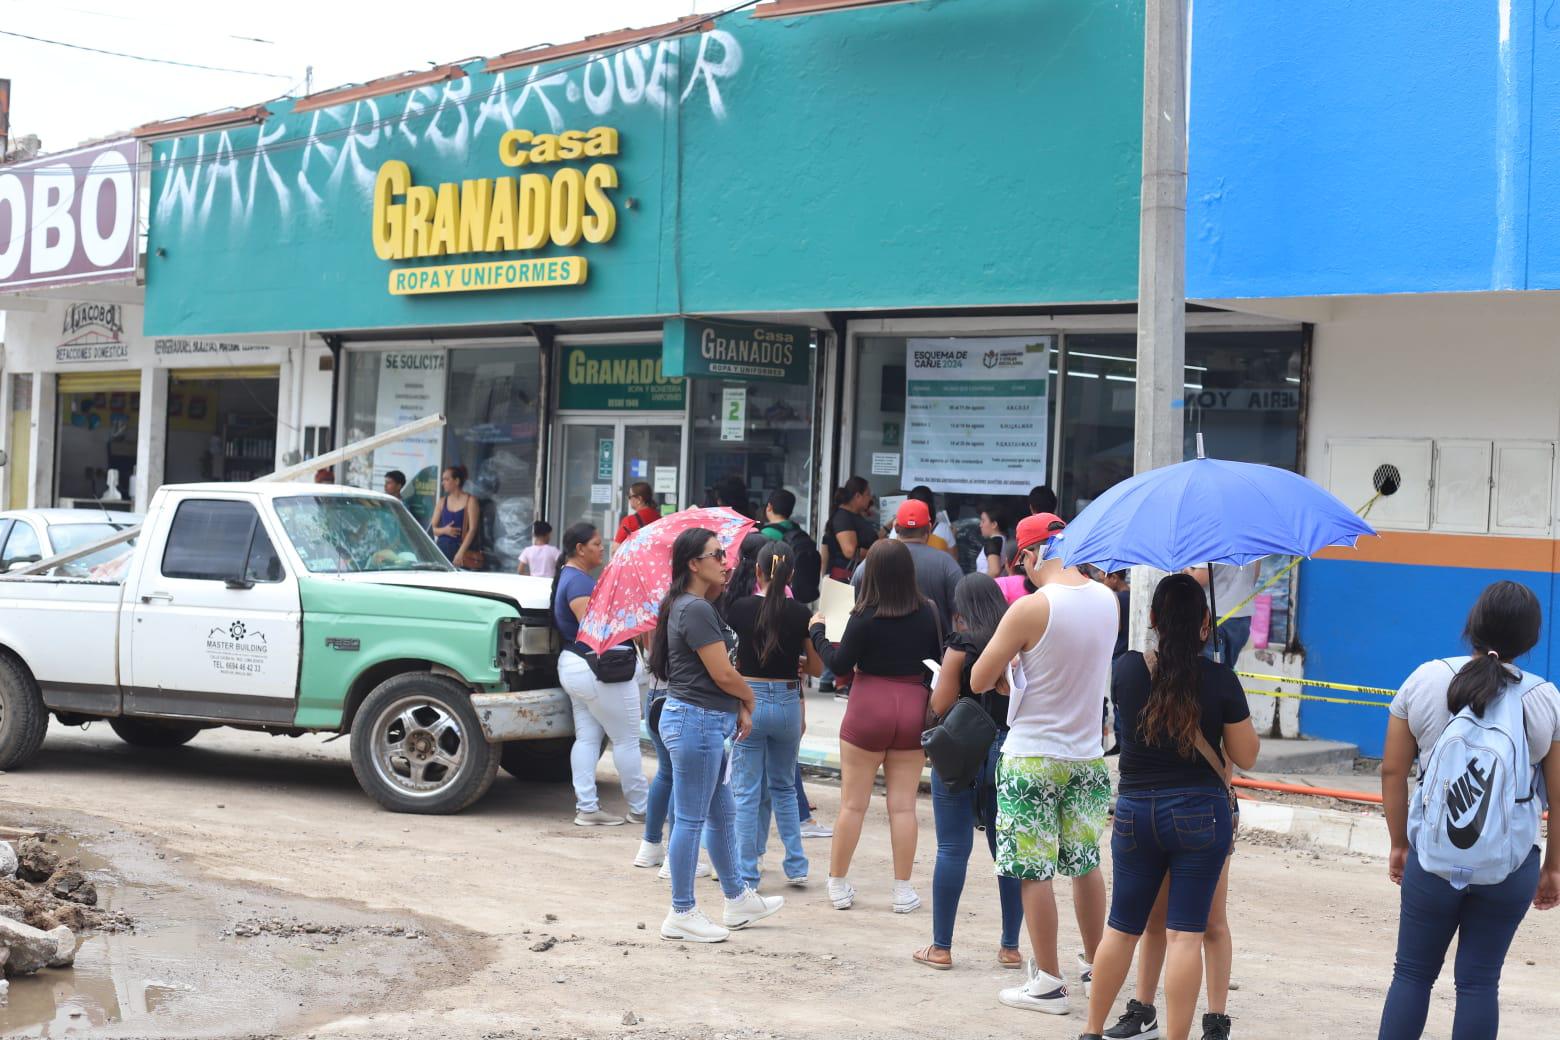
pixel 98 382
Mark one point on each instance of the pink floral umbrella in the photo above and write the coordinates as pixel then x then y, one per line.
pixel 635 580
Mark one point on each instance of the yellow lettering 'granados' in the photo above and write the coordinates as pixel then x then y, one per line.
pixel 502 214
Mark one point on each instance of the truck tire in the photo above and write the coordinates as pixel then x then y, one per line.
pixel 539 761
pixel 418 746
pixel 23 718
pixel 150 733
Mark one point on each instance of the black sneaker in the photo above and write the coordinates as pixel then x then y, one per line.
pixel 1216 1027
pixel 1139 1023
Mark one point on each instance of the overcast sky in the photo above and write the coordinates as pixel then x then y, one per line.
pixel 67 96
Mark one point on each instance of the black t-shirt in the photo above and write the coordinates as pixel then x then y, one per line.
pixel 1124 602
pixel 1148 767
pixel 996 706
pixel 743 617
pixel 844 520
pixel 883 646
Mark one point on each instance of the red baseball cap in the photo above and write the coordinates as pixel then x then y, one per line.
pixel 1032 530
pixel 913 514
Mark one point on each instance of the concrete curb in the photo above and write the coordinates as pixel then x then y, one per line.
pixel 1358 833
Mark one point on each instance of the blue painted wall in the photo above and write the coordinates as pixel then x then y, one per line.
pixel 928 154
pixel 1382 147
pixel 1359 623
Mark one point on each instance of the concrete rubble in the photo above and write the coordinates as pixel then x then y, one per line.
pixel 45 902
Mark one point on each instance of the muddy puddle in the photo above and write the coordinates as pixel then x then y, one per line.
pixel 207 958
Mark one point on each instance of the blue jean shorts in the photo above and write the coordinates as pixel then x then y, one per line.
pixel 1186 833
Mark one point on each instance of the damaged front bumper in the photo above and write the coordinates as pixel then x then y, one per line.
pixel 542 714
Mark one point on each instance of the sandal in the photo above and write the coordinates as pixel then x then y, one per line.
pixel 1003 955
pixel 924 956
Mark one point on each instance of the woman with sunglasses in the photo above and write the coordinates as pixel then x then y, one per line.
pixel 707 703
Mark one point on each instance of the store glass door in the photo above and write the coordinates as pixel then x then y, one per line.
pixel 600 459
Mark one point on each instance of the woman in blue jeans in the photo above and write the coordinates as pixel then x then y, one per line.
pixel 978 606
pixel 1503 625
pixel 772 649
pixel 1182 717
pixel 707 703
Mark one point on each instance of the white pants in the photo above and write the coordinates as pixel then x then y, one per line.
pixel 603 710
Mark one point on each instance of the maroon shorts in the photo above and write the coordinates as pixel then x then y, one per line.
pixel 885 713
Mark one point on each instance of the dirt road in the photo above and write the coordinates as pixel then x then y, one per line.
pixel 281 825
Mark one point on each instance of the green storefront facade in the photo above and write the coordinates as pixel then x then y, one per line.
pixel 687 259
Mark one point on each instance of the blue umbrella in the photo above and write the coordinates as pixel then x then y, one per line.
pixel 1208 511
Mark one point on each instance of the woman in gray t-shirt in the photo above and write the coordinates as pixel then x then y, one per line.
pixel 1503 625
pixel 707 704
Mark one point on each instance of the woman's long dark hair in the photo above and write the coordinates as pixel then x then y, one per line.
pixel 774 563
pixel 888 581
pixel 741 581
pixel 688 546
pixel 1503 624
pixel 978 602
pixel 574 536
pixel 1173 713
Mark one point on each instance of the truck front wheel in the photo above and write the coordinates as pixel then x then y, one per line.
pixel 152 734
pixel 23 718
pixel 418 746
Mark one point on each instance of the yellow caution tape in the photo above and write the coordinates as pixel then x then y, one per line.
pixel 1345 687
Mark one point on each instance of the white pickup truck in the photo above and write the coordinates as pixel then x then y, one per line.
pixel 292 609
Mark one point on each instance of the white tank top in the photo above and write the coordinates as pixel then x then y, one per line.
pixel 1059 712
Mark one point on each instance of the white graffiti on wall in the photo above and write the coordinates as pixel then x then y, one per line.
pixel 211 175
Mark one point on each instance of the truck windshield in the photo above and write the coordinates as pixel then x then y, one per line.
pixel 340 533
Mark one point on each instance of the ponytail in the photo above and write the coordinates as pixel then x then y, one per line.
pixel 775 564
pixel 849 490
pixel 1503 625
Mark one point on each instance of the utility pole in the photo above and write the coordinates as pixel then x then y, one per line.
pixel 1161 339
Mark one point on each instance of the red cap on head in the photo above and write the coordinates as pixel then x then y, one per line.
pixel 1032 530
pixel 913 514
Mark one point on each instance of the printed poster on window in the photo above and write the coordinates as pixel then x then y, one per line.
pixel 976 414
pixel 411 387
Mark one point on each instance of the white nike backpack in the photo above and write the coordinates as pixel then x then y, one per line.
pixel 1474 818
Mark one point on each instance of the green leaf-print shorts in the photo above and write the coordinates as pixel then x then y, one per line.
pixel 1051 814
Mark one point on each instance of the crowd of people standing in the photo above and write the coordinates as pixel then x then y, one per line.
pixel 1040 647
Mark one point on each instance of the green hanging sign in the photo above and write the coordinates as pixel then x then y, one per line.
pixel 737 350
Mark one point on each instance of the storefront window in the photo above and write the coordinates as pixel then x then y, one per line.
pixel 1242 395
pixel 760 433
pixel 99 416
pixel 220 427
pixel 489 396
pixel 493 402
pixel 974 426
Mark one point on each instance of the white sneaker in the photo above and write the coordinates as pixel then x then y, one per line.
pixel 665 873
pixel 597 818
pixel 1086 977
pixel 1043 992
pixel 651 854
pixel 813 829
pixel 905 899
pixel 750 907
pixel 841 893
pixel 636 818
pixel 800 881
pixel 692 926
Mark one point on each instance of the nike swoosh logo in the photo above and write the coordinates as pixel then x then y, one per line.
pixel 1465 836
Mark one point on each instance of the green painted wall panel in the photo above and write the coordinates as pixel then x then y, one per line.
pixel 937 153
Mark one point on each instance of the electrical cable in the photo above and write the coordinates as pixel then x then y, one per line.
pixel 373 124
pixel 142 57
